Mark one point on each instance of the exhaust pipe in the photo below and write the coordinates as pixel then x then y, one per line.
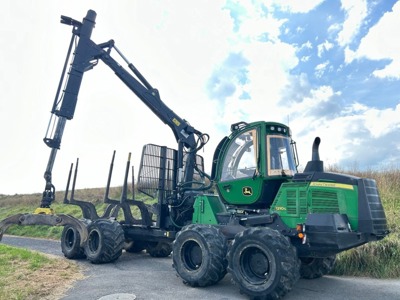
pixel 315 150
pixel 315 164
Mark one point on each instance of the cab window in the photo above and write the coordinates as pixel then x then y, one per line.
pixel 241 158
pixel 280 156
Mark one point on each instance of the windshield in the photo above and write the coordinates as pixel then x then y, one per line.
pixel 280 156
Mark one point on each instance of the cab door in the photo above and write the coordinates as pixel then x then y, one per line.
pixel 240 183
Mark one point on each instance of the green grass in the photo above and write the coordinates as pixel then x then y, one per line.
pixel 377 259
pixel 9 254
pixel 29 275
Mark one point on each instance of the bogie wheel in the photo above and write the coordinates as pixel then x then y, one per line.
pixel 159 249
pixel 199 255
pixel 263 263
pixel 105 241
pixel 312 268
pixel 134 246
pixel 70 243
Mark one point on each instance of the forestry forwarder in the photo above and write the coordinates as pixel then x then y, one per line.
pixel 267 225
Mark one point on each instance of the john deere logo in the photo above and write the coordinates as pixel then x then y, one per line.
pixel 247 191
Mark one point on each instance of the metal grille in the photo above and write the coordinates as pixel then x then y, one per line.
pixel 324 202
pixel 296 199
pixel 158 170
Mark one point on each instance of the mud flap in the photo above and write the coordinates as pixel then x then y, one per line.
pixel 42 219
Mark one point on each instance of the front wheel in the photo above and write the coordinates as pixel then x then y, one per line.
pixel 105 241
pixel 199 255
pixel 263 263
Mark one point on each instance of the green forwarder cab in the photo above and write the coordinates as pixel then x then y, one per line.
pixel 322 214
pixel 255 170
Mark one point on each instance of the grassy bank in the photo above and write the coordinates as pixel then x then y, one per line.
pixel 377 259
pixel 30 275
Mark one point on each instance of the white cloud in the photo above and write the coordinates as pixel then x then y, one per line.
pixel 388 121
pixel 334 28
pixel 349 55
pixel 320 69
pixel 307 45
pixel 381 43
pixel 323 47
pixel 355 12
pixel 358 135
pixel 255 23
pixel 268 71
pixel 296 6
pixel 267 76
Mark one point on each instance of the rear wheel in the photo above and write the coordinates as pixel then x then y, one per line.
pixel 105 241
pixel 199 255
pixel 159 249
pixel 134 246
pixel 263 263
pixel 70 243
pixel 312 268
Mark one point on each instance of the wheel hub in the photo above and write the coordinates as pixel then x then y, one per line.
pixel 255 265
pixel 192 255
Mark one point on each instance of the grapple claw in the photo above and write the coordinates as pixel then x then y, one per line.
pixel 44 219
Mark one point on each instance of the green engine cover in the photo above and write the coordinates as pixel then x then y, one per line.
pixel 295 201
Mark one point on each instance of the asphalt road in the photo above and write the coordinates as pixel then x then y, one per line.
pixel 141 277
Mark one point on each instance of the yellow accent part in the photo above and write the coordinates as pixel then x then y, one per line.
pixel 280 208
pixel 333 185
pixel 44 211
pixel 176 122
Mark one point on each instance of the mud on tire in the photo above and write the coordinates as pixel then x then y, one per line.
pixel 263 263
pixel 199 255
pixel 105 241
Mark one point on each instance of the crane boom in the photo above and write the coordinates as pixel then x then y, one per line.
pixel 85 57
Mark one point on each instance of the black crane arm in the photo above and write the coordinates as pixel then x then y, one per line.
pixel 183 132
pixel 86 56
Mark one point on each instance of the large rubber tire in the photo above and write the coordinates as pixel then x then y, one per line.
pixel 159 249
pixel 199 255
pixel 312 268
pixel 134 246
pixel 263 263
pixel 70 243
pixel 105 241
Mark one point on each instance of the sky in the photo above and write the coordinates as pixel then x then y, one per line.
pixel 326 68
